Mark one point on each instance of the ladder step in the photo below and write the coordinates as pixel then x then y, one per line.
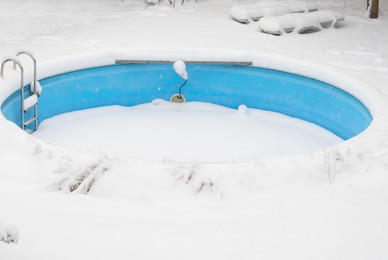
pixel 29 131
pixel 30 102
pixel 33 119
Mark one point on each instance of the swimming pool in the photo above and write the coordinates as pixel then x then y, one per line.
pixel 222 84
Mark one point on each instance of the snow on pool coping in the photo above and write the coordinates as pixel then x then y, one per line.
pixel 360 153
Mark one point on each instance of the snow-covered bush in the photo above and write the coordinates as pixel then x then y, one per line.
pixel 171 2
pixel 81 179
pixel 8 233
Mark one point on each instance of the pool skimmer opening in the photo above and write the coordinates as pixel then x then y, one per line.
pixel 177 98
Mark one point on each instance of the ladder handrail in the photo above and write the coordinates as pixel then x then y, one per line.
pixel 34 61
pixel 16 61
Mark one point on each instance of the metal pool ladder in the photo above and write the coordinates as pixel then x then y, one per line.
pixel 31 102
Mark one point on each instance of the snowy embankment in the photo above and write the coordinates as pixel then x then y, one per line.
pixel 267 208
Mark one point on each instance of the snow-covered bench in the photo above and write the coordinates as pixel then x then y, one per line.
pixel 300 22
pixel 245 13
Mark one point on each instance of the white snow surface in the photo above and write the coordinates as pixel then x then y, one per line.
pixel 192 131
pixel 328 204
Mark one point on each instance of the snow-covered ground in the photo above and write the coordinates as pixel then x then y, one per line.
pixel 330 204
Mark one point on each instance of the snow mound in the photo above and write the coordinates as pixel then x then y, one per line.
pixel 180 68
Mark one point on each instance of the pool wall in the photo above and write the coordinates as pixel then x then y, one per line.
pixel 227 85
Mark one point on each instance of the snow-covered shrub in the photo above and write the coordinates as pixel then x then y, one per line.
pixel 170 2
pixel 81 179
pixel 190 175
pixel 8 233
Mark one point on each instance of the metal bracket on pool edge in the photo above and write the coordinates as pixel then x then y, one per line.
pixel 242 63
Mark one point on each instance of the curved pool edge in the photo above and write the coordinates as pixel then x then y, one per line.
pixel 303 67
pixel 229 85
pixel 368 94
